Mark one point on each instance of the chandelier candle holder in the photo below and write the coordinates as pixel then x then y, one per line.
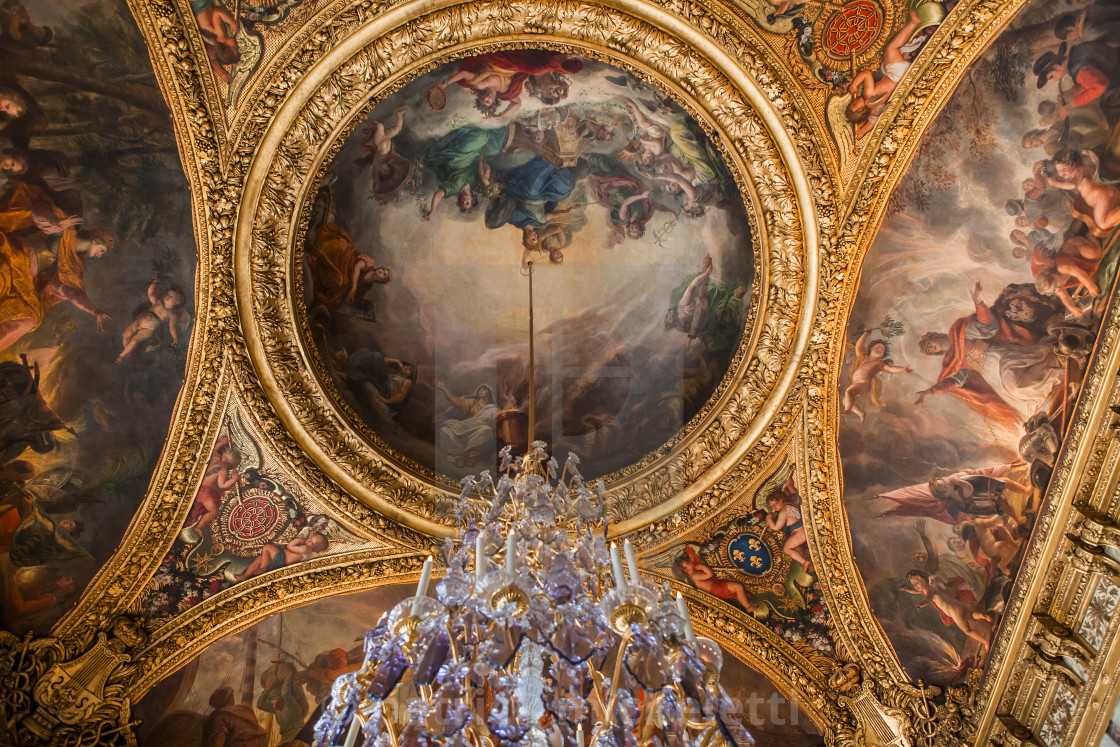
pixel 549 646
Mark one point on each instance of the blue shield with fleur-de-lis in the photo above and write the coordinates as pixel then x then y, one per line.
pixel 750 554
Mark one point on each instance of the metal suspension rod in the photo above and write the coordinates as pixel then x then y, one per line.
pixel 532 371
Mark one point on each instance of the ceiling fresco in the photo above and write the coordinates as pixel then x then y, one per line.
pixel 440 200
pixel 822 293
pixel 976 315
pixel 96 296
pixel 579 400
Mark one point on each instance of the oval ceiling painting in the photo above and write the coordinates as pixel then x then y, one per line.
pixel 420 245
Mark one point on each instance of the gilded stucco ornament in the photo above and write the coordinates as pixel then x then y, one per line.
pixel 66 693
pixel 254 189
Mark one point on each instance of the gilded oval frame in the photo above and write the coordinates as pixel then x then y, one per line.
pixel 310 125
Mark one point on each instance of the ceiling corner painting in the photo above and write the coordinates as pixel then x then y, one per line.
pixel 97 266
pixel 979 306
pixel 755 557
pixel 238 38
pixel 428 221
pixel 851 55
pixel 248 518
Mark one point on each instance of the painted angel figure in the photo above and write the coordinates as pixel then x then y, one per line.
pixel 954 604
pixel 785 517
pixel 870 89
pixel 628 204
pixel 991 536
pixel 871 360
pixel 221 475
pixel 946 565
pixel 497 77
pixel 273 556
pixel 168 306
pixel 1098 204
pixel 703 577
pixel 390 169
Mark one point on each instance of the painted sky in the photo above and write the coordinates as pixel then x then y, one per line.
pixel 951 236
pixel 457 305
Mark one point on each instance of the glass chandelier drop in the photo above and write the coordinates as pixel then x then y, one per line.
pixel 536 637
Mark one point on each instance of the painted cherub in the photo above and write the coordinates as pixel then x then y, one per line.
pixel 169 307
pixel 995 540
pixel 704 578
pixel 1099 203
pixel 389 168
pixel 871 360
pixel 785 517
pixel 870 89
pixel 273 556
pixel 219 33
pixel 955 606
pixel 221 475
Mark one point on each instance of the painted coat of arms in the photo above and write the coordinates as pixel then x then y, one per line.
pixel 759 561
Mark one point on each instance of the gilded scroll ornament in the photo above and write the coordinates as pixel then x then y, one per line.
pixel 56 694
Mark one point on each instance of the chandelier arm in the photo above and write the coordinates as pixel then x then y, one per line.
pixel 615 687
pixel 597 678
pixel 645 727
pixel 698 725
pixel 468 694
pixel 555 575
pixel 394 741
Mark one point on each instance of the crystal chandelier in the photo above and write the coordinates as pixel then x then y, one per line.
pixel 536 635
pixel 553 645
